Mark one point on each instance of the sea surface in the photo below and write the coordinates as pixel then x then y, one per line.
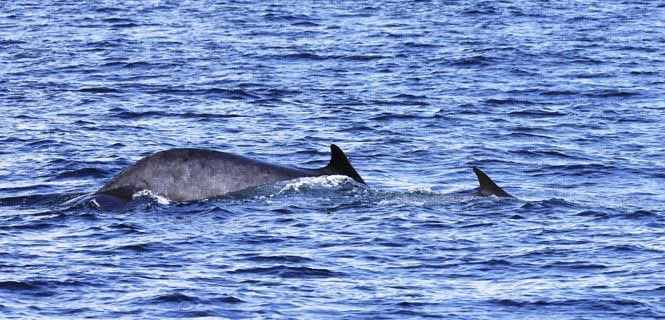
pixel 562 103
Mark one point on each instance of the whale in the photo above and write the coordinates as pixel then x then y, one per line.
pixel 190 174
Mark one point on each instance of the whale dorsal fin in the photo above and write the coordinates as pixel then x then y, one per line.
pixel 340 164
pixel 487 186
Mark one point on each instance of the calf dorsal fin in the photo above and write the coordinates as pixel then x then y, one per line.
pixel 340 164
pixel 487 186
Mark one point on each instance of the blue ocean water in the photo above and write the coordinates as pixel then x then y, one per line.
pixel 561 102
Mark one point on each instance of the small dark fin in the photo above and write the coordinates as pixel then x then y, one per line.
pixel 340 164
pixel 487 186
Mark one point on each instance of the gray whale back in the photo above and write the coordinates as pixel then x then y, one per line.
pixel 194 174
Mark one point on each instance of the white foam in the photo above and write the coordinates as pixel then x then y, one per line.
pixel 322 182
pixel 419 189
pixel 147 193
pixel 401 201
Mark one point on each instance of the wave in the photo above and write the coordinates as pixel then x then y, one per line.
pixel 544 205
pixel 600 304
pixel 81 173
pixel 11 42
pixel 537 113
pixel 575 265
pixel 397 102
pixel 99 90
pixel 126 114
pixel 40 287
pixel 508 101
pixel 578 169
pixel 143 247
pixel 37 200
pixel 230 93
pixel 386 117
pixel 286 17
pixel 179 297
pixel 611 93
pixel 279 258
pixel 175 297
pixel 559 93
pixel 318 57
pixel 520 134
pixel 477 60
pixel 548 154
pixel 18 285
pixel 302 56
pixel 138 65
pixel 641 214
pixel 592 213
pixel 308 24
pixel 627 248
pixel 290 272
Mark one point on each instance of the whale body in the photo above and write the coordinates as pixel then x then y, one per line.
pixel 188 174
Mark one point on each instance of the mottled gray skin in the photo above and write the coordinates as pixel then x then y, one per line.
pixel 196 174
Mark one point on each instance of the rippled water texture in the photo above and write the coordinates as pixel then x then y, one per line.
pixel 561 102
